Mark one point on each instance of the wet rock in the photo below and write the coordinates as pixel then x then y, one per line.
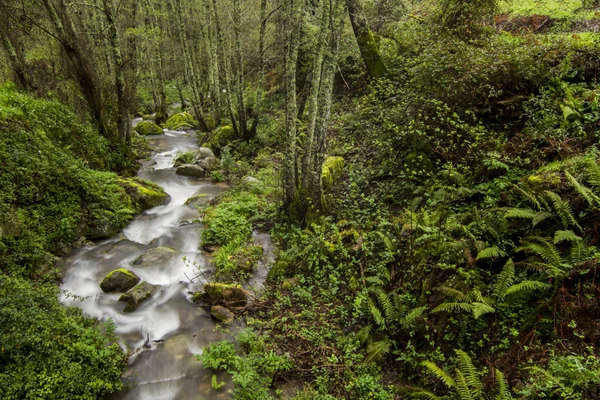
pixel 209 163
pixel 103 228
pixel 226 294
pixel 191 170
pixel 136 296
pixel 200 200
pixel 289 283
pixel 119 281
pixel 202 153
pixel 145 193
pixel 157 255
pixel 145 128
pixel 250 180
pixel 222 314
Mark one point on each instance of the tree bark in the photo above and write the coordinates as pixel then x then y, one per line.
pixel 15 57
pixel 239 87
pixel 369 49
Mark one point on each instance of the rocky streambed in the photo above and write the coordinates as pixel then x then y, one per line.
pixel 159 258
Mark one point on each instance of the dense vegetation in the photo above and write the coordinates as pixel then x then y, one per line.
pixel 428 168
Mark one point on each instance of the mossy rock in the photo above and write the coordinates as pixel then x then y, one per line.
pixel 184 158
pixel 222 314
pixel 201 200
pixel 290 283
pixel 181 121
pixel 226 294
pixel 245 258
pixel 156 256
pixel 119 281
pixel 191 170
pixel 220 138
pixel 145 193
pixel 139 294
pixel 146 128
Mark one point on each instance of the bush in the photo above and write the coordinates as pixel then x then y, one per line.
pixel 49 351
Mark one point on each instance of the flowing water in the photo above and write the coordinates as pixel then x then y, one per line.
pixel 168 330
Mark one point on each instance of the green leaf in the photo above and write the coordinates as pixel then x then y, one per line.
pixel 491 252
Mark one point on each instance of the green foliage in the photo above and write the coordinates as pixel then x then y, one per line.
pixel 49 351
pixel 146 128
pixel 228 221
pixel 332 169
pixel 252 371
pixel 181 121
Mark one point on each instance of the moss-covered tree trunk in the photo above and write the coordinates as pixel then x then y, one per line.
pixel 123 124
pixel 369 49
pixel 158 83
pixel 239 71
pixel 213 62
pixel 15 57
pixel 261 67
pixel 190 68
pixel 79 56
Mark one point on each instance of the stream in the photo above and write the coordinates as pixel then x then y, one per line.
pixel 168 330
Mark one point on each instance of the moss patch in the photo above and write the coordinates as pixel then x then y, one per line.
pixel 146 128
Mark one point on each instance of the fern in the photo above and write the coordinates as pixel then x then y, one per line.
pixel 569 236
pixel 563 209
pixel 479 309
pixel 490 252
pixel 439 373
pixel 452 293
pixel 527 286
pixel 583 191
pixel 376 314
pixel 593 173
pixel 544 249
pixel 462 388
pixel 530 197
pixel 505 279
pixel 376 351
pixel 451 307
pixel 502 391
pixel 523 213
pixel 412 316
pixel 540 216
pixel 418 393
pixel 363 334
pixel 470 373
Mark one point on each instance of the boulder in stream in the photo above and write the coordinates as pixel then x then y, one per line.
pixel 145 128
pixel 145 193
pixel 138 295
pixel 202 153
pixel 199 200
pixel 209 163
pixel 222 314
pixel 119 281
pixel 157 255
pixel 191 170
pixel 226 294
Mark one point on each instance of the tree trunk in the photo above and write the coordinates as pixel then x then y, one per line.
pixel 241 101
pixel 261 67
pixel 190 69
pixel 369 49
pixel 82 69
pixel 123 124
pixel 213 62
pixel 15 57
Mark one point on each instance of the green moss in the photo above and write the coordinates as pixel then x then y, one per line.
pixel 183 120
pixel 145 128
pixel 220 138
pixel 123 271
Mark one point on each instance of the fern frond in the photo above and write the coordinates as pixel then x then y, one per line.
pixel 530 197
pixel 475 295
pixel 363 334
pixel 592 170
pixel 376 351
pixel 540 216
pixel 505 279
pixel 452 293
pixel 451 307
pixel 583 191
pixel 563 209
pixel 491 252
pixel 412 316
pixel 387 241
pixel 439 373
pixel 462 388
pixel 541 267
pixel 544 249
pixel 502 391
pixel 470 373
pixel 386 305
pixel 562 236
pixel 524 213
pixel 527 286
pixel 579 252
pixel 376 314
pixel 481 308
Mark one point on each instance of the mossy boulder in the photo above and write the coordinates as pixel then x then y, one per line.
pixel 145 193
pixel 202 153
pixel 156 256
pixel 209 163
pixel 119 281
pixel 201 200
pixel 245 258
pixel 184 158
pixel 221 138
pixel 146 128
pixel 136 296
pixel 222 314
pixel 193 170
pixel 226 294
pixel 181 121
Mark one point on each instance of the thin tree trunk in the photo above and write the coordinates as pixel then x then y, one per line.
pixel 82 68
pixel 241 101
pixel 16 59
pixel 366 40
pixel 225 68
pixel 213 62
pixel 190 69
pixel 261 67
pixel 290 173
pixel 161 95
pixel 123 124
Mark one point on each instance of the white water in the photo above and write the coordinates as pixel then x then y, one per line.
pixel 178 329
